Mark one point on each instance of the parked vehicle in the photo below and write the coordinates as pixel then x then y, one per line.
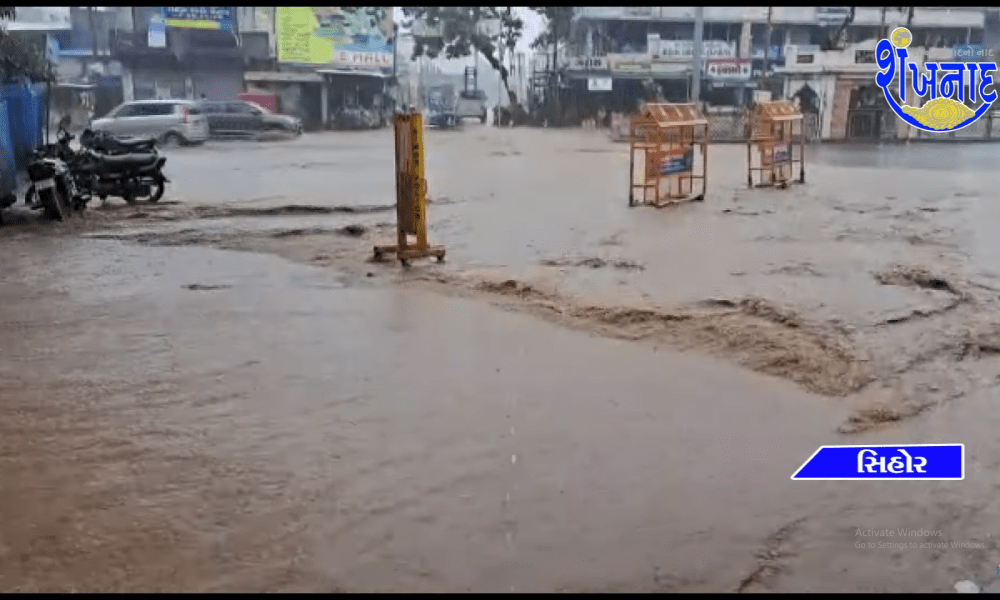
pixel 105 143
pixel 52 182
pixel 134 175
pixel 472 104
pixel 171 122
pixel 441 106
pixel 355 118
pixel 53 186
pixel 246 119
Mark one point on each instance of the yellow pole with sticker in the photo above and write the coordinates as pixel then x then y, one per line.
pixel 411 193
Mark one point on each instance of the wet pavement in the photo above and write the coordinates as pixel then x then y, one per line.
pixel 221 394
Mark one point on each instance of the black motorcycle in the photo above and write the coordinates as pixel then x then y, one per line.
pixel 105 143
pixel 108 166
pixel 53 188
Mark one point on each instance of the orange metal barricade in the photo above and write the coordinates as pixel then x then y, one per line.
pixel 670 142
pixel 777 133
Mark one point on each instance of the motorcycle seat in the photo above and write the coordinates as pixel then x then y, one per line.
pixel 128 161
pixel 137 141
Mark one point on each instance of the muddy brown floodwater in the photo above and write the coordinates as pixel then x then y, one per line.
pixel 222 393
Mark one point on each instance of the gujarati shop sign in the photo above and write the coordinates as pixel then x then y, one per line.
pixel 730 69
pixel 198 17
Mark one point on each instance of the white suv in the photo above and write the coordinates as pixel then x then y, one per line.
pixel 171 122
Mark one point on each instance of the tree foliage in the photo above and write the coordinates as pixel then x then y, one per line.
pixel 22 57
pixel 461 35
pixel 833 41
pixel 557 25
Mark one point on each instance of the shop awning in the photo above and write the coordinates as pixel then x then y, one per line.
pixel 282 76
pixel 74 86
pixel 376 74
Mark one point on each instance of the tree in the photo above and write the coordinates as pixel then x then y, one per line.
pixel 461 36
pixel 833 41
pixel 557 25
pixel 558 22
pixel 22 57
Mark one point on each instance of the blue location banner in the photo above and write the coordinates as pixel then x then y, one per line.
pixel 928 462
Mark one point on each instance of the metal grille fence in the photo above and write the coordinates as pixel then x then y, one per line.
pixel 810 122
pixel 732 126
pixel 727 126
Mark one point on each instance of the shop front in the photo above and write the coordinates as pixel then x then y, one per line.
pixel 356 99
pixel 297 93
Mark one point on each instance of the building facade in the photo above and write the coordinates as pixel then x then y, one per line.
pixel 330 66
pixel 180 52
pixel 822 56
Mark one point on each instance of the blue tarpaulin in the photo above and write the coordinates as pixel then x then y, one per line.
pixel 21 125
pixel 8 166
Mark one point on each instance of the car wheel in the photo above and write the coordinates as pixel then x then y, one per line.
pixel 172 140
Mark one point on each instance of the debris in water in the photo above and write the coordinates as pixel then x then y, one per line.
pixel 198 287
pixel 966 587
pixel 594 263
pixel 299 232
pixel 353 230
pixel 800 269
pixel 916 276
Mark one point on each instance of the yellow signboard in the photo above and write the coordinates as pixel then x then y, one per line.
pixel 335 36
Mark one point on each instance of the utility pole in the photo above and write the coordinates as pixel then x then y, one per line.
pixel 881 27
pixel 555 71
pixel 699 30
pixel 395 70
pixel 767 44
pixel 93 33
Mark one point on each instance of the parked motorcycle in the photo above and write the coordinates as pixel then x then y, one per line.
pixel 130 169
pixel 105 143
pixel 108 166
pixel 53 188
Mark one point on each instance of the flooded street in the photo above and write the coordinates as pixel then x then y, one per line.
pixel 222 393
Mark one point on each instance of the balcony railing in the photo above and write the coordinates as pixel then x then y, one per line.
pixel 803 15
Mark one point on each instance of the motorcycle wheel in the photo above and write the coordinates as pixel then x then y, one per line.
pixel 157 190
pixel 56 204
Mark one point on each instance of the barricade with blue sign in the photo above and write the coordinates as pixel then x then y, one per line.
pixel 670 142
pixel 930 462
pixel 777 133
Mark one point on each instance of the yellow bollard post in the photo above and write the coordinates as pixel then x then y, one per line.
pixel 411 193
